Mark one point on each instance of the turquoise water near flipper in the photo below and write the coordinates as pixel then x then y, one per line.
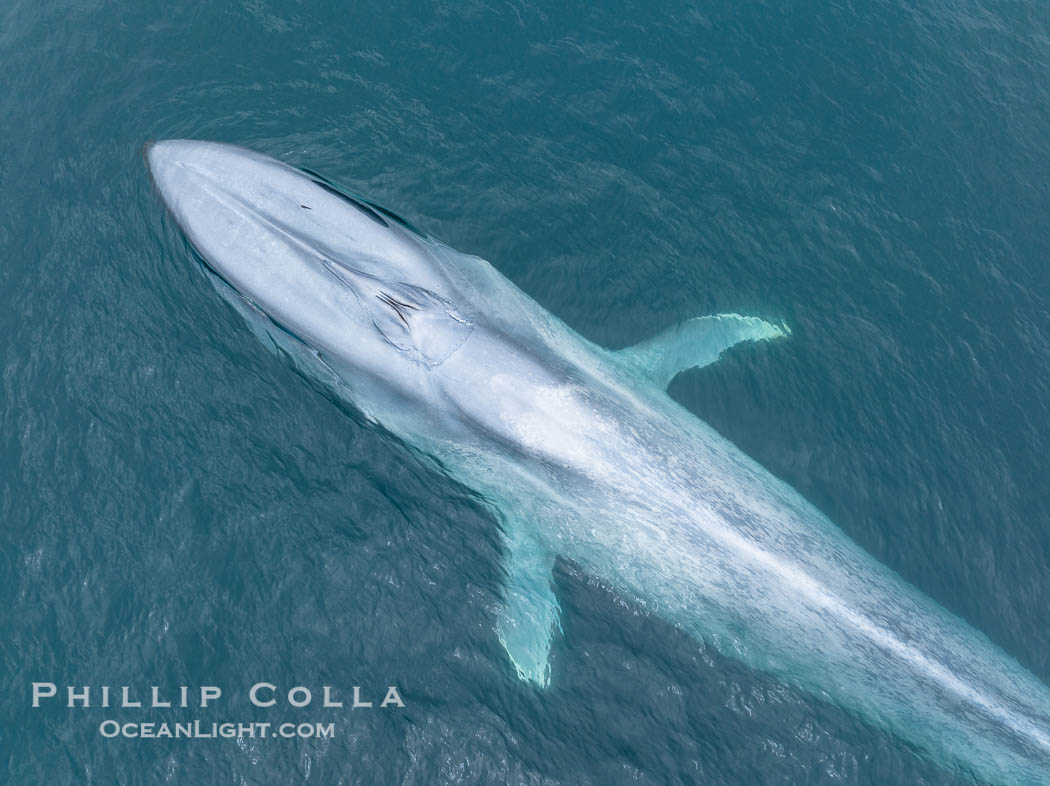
pixel 180 507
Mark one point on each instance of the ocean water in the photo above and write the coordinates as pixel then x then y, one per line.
pixel 179 507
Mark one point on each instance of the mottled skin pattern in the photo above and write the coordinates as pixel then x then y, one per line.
pixel 581 454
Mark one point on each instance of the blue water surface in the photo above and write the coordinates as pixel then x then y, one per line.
pixel 179 507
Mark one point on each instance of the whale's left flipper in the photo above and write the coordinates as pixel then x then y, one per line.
pixel 695 343
pixel 530 611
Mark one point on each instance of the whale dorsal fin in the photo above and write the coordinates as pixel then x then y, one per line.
pixel 695 343
pixel 529 612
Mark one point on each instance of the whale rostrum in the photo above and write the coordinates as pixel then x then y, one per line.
pixel 581 455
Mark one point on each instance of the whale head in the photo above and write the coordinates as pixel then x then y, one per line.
pixel 346 277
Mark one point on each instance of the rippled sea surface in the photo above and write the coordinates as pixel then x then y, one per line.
pixel 179 507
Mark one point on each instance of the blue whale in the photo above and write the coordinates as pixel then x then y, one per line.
pixel 580 453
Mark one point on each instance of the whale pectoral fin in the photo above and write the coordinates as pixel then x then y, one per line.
pixel 695 343
pixel 530 611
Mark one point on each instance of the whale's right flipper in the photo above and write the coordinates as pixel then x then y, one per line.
pixel 530 611
pixel 695 343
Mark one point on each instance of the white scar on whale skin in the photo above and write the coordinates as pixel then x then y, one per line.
pixel 580 454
